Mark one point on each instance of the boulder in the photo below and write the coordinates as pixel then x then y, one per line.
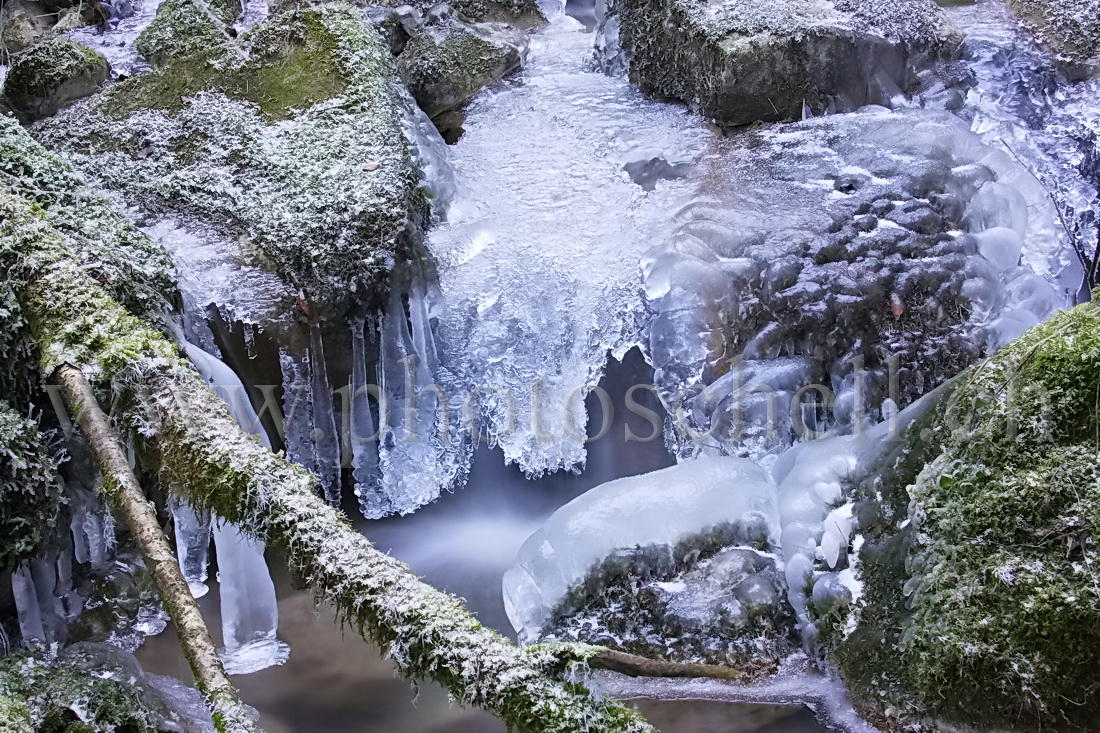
pixel 977 554
pixel 293 139
pixel 745 61
pixel 1069 29
pixel 22 24
pixel 186 27
pixel 447 63
pixel 54 73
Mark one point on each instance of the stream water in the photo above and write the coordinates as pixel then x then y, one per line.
pixel 589 238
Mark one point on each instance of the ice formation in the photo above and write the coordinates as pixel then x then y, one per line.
pixel 116 41
pixel 537 282
pixel 816 518
pixel 656 508
pixel 249 608
pixel 825 266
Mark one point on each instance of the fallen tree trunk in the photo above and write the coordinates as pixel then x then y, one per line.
pixel 185 432
pixel 129 503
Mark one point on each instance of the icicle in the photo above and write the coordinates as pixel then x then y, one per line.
pixel 417 457
pixel 325 438
pixel 364 446
pixel 250 613
pixel 26 606
pixel 192 545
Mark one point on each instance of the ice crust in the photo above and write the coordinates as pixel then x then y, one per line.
pixel 655 508
pixel 806 246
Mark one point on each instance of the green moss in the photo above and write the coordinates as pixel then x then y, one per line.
pixel 985 609
pixel 29 489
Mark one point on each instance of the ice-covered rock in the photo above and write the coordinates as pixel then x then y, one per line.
pixel 1069 29
pixel 449 61
pixel 743 61
pixel 658 508
pixel 825 267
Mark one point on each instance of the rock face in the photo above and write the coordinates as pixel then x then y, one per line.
pixel 293 138
pixel 744 61
pixel 977 549
pixel 1069 29
pixel 52 74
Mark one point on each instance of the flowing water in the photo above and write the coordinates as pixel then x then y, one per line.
pixel 589 236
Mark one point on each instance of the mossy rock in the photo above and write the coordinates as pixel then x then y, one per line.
pixel 1070 29
pixel 29 489
pixel 186 27
pixel 88 687
pixel 446 65
pixel 981 602
pixel 52 74
pixel 292 139
pixel 745 61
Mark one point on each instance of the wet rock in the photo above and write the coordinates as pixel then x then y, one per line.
pixel 448 62
pixel 1069 29
pixel 264 138
pixel 740 62
pixel 51 75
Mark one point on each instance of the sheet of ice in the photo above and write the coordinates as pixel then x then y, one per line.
pixel 214 273
pixel 882 242
pixel 796 683
pixel 249 610
pixel 655 508
pixel 538 257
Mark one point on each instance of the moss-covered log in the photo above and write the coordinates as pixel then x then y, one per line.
pixel 186 434
pixel 129 502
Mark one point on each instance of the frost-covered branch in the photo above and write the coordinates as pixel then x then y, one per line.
pixel 186 434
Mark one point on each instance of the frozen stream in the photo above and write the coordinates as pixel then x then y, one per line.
pixel 589 220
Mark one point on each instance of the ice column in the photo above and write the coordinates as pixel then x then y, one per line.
pixel 250 614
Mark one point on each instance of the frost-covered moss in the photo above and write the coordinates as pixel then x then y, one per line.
pixel 298 146
pixel 1070 29
pixel 984 608
pixel 89 687
pixel 134 269
pixel 29 489
pixel 51 74
pixel 185 28
pixel 185 433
